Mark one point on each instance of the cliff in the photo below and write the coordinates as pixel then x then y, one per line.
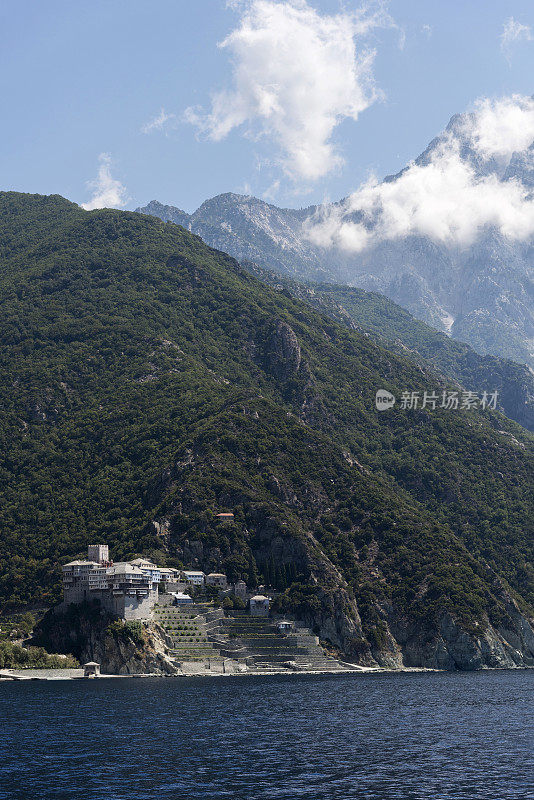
pixel 121 648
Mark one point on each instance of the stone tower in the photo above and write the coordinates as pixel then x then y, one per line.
pixel 98 553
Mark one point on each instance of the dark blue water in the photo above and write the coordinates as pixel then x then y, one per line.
pixel 419 736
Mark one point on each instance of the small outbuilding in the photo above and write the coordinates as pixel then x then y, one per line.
pixel 216 579
pixel 240 589
pixel 181 599
pixel 91 669
pixel 194 576
pixel 285 626
pixel 259 606
pixel 225 517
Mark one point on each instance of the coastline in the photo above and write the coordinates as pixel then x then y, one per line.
pixel 7 676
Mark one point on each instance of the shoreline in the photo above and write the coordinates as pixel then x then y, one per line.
pixel 12 676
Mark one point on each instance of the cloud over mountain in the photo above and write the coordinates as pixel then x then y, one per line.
pixel 454 191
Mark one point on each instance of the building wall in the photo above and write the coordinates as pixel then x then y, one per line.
pixel 76 594
pixel 154 574
pixel 175 586
pixel 240 589
pixel 128 607
pixel 132 608
pixel 98 552
pixel 122 589
pixel 217 580
pixel 259 609
pixel 125 606
pixel 194 580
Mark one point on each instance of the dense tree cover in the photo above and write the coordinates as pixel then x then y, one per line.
pixel 15 656
pixel 403 333
pixel 144 376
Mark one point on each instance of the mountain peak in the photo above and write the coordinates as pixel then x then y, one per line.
pixel 434 240
pixel 166 213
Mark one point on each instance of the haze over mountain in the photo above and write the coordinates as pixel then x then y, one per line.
pixel 450 237
pixel 149 381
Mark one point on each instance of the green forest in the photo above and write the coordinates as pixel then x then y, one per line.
pixel 398 330
pixel 145 376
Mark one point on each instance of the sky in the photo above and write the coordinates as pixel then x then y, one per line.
pixel 119 102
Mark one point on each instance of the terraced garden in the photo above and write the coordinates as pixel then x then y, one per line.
pixel 187 631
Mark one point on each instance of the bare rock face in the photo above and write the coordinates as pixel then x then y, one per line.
pixel 160 528
pixel 284 351
pixel 192 552
pixel 337 620
pixel 120 656
pixel 453 646
pixel 334 615
pixel 93 635
pixel 450 645
pixel 272 541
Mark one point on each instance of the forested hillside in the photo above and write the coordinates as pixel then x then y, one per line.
pixel 145 376
pixel 400 331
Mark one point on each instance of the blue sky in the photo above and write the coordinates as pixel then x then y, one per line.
pixel 82 79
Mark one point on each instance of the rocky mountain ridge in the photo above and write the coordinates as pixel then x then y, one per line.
pixel 481 293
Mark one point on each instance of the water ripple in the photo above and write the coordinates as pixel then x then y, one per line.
pixel 356 737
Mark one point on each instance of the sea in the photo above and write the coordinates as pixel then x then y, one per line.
pixel 409 736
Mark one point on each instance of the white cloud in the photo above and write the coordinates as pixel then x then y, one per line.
pixel 158 122
pixel 501 127
pixel 450 198
pixel 512 33
pixel 108 192
pixel 297 74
